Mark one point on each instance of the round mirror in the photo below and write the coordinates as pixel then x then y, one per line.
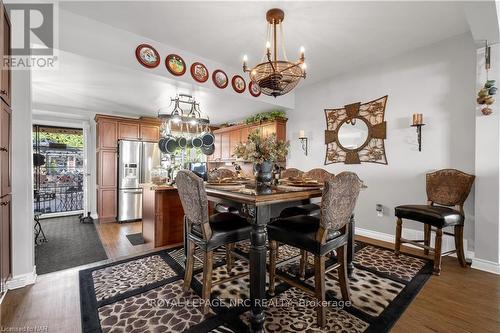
pixel 353 136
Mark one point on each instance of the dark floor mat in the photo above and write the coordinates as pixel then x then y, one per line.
pixel 136 239
pixel 69 244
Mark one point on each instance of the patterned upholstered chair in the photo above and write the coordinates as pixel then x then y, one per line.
pixel 320 175
pixel 445 189
pixel 206 232
pixel 311 209
pixel 291 172
pixel 319 236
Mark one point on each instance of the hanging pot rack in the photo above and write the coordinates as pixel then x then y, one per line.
pixel 178 115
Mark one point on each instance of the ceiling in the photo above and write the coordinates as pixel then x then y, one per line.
pixel 337 35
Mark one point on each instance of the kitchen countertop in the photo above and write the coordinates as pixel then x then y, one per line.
pixel 154 187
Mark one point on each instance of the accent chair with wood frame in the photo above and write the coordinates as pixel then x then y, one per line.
pixel 319 236
pixel 447 191
pixel 207 232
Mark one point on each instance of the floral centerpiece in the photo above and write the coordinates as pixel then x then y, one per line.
pixel 262 152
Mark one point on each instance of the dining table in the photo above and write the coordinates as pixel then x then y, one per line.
pixel 261 206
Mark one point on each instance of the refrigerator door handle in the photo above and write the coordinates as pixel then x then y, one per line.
pixel 133 192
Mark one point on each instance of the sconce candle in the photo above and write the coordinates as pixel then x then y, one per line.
pixel 303 140
pixel 418 119
pixel 418 122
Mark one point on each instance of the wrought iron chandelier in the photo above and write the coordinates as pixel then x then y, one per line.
pixel 276 77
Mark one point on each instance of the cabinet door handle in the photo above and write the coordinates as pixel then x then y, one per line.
pixel 3 92
pixel 5 203
pixel 3 149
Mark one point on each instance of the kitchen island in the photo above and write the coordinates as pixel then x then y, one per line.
pixel 162 215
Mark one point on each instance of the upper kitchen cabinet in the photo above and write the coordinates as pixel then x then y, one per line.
pixel 225 146
pixel 149 133
pixel 107 133
pixel 227 138
pixel 128 130
pixel 5 84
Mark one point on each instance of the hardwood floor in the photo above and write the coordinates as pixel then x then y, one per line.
pixel 113 238
pixel 460 300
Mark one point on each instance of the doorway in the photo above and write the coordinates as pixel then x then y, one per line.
pixel 62 238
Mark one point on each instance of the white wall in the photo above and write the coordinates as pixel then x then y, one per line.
pixel 23 260
pixel 438 81
pixel 487 168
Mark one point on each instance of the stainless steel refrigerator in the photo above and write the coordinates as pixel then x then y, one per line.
pixel 136 159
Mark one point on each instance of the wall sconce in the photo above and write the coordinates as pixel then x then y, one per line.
pixel 303 141
pixel 418 122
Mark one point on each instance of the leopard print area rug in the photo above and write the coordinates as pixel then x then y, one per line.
pixel 144 294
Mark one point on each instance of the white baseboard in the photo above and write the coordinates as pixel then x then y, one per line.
pixel 22 280
pixel 448 243
pixel 486 265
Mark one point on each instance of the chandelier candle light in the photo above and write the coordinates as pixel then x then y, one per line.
pixel 276 77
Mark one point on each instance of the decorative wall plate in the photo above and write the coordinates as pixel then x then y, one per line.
pixel 254 89
pixel 199 72
pixel 220 79
pixel 175 65
pixel 147 56
pixel 356 133
pixel 238 83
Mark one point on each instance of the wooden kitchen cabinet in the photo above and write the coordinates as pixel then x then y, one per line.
pixel 5 91
pixel 128 131
pixel 149 133
pixel 6 220
pixel 107 134
pixel 244 132
pixel 106 204
pixel 107 171
pixel 225 146
pixel 5 155
pixel 217 148
pixel 234 140
pixel 228 137
pixel 5 149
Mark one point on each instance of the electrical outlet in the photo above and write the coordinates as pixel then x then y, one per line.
pixel 380 210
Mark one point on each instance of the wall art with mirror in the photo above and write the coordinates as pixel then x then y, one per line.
pixel 356 133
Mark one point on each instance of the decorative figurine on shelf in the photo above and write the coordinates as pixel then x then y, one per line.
pixel 485 95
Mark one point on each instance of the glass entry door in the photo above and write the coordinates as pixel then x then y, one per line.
pixel 58 169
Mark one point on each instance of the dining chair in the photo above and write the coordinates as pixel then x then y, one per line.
pixel 206 232
pixel 291 172
pixel 445 189
pixel 321 176
pixel 311 209
pixel 319 236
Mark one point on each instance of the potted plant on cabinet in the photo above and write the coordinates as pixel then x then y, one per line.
pixel 263 152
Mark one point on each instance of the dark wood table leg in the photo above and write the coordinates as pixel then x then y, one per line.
pixel 259 218
pixel 350 247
